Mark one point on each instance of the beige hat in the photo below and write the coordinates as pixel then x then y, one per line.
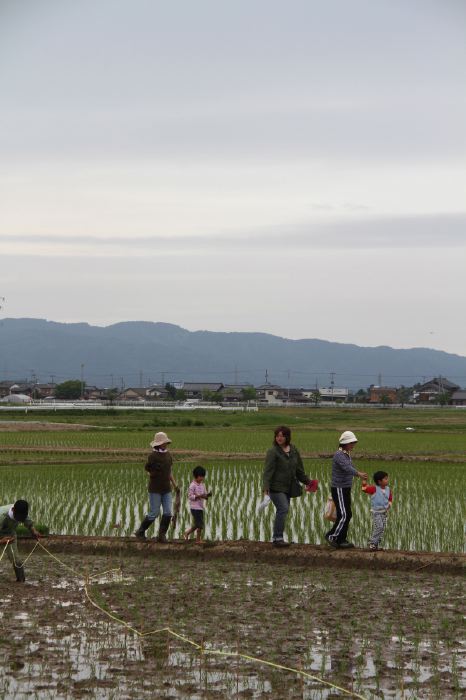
pixel 347 437
pixel 160 439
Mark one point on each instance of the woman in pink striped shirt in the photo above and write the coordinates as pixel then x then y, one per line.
pixel 197 497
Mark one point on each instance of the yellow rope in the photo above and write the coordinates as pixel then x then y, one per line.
pixel 194 644
pixel 76 573
pixel 8 544
pixel 4 550
pixel 31 552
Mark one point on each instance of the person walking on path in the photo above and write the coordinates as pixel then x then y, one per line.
pixel 283 471
pixel 159 465
pixel 197 497
pixel 10 517
pixel 343 472
pixel 381 501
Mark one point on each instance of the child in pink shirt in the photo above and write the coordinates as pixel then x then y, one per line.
pixel 197 496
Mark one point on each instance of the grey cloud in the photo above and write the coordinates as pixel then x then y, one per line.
pixel 435 231
pixel 215 78
pixel 403 131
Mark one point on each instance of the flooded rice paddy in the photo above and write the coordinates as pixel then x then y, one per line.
pixel 104 499
pixel 376 634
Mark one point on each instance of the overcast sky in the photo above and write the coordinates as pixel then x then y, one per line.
pixel 295 167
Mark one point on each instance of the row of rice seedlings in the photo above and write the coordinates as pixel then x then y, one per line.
pixel 427 513
pixel 244 440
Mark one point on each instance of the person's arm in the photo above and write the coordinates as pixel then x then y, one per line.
pixel 148 465
pixel 343 461
pixel 269 469
pixel 300 473
pixel 173 482
pixel 206 494
pixel 370 490
pixel 30 526
pixel 192 493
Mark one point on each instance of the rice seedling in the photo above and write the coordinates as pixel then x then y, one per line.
pixel 427 512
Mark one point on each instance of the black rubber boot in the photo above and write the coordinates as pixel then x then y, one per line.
pixel 140 532
pixel 164 523
pixel 19 571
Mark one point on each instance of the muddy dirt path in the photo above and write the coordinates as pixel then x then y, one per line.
pixel 247 551
pixel 122 454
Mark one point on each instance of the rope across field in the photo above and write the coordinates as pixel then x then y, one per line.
pixel 202 648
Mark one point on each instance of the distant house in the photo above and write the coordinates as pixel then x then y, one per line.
pixel 197 390
pixel 431 390
pixel 380 394
pixel 21 388
pixel 132 394
pixel 156 393
pixel 272 393
pixel 438 385
pixel 44 391
pixel 5 388
pixel 293 395
pixel 94 393
pixel 232 393
pixel 332 393
pixel 35 390
pixel 458 398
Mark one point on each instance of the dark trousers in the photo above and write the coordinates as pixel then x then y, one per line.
pixel 342 500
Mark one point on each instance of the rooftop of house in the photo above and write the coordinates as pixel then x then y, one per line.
pixel 202 386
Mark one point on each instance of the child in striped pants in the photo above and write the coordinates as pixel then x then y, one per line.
pixel 381 501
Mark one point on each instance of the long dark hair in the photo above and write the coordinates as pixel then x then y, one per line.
pixel 285 431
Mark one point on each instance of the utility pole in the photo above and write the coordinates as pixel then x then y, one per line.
pixel 266 376
pixel 332 383
pixel 82 381
pixel 236 374
pixel 140 378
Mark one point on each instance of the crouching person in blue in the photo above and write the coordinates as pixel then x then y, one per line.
pixel 10 517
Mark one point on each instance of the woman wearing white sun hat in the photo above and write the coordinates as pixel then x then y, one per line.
pixel 159 465
pixel 343 472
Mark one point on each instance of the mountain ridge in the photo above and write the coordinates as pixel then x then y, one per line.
pixel 154 351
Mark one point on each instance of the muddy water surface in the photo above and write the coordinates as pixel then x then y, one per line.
pixel 380 634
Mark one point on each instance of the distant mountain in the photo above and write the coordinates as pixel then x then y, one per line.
pixel 138 352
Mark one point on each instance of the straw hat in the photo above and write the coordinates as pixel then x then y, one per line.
pixel 160 439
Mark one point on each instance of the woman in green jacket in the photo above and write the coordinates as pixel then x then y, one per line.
pixel 282 473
